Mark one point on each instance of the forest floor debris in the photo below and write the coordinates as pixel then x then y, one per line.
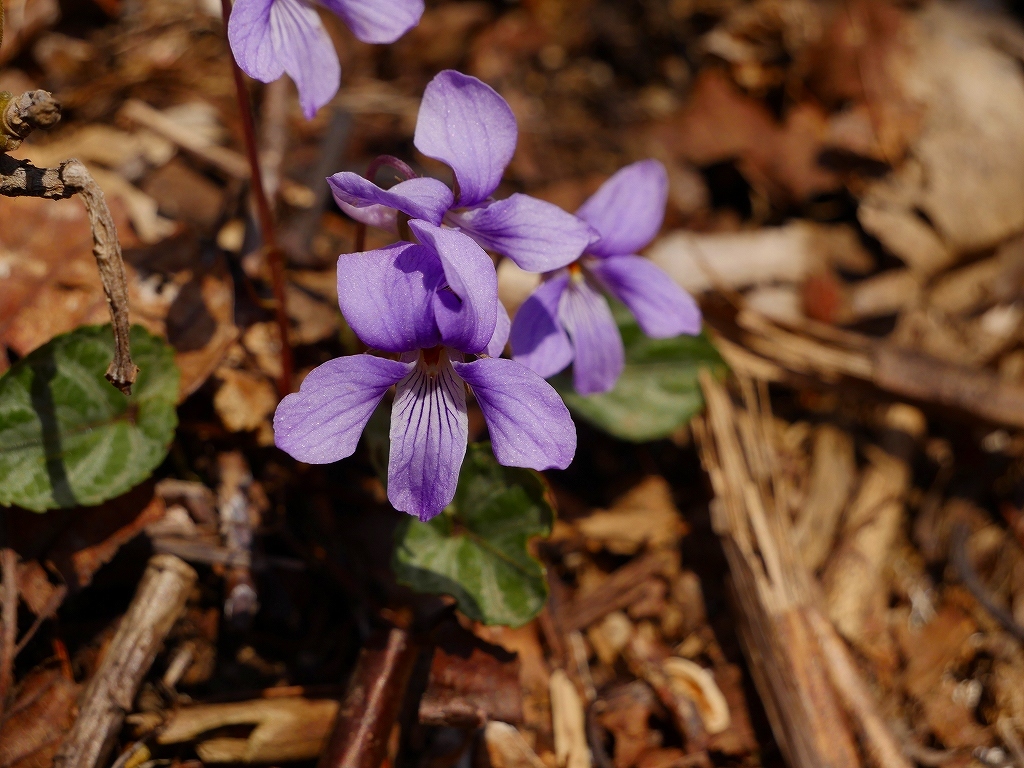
pixel 844 585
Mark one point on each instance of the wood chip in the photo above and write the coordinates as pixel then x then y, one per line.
pixel 833 472
pixel 506 748
pixel 569 723
pixel 285 729
pixel 695 682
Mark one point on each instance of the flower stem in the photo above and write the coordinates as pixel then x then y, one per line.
pixel 275 257
pixel 389 161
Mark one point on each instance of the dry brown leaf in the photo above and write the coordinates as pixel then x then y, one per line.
pixel 644 517
pixel 243 400
pixel 34 586
pixel 23 20
pixel 719 123
pixel 37 721
pixel 788 254
pixel 626 713
pixel 263 342
pixel 79 541
pixel 739 737
pixel 967 172
pixel 931 653
pixel 50 283
pixel 470 683
pixel 313 318
pixel 534 673
pixel 852 63
pixel 185 195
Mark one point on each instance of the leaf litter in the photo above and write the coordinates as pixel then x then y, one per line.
pixel 823 568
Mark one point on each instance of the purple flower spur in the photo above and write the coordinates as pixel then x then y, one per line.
pixel 466 124
pixel 430 304
pixel 567 319
pixel 270 38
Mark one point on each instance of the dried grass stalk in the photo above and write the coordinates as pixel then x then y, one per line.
pixel 821 711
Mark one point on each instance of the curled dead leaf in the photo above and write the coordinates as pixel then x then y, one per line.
pixel 697 684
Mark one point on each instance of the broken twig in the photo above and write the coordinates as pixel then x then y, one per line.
pixel 20 115
pixel 158 602
pixel 372 703
pixel 19 178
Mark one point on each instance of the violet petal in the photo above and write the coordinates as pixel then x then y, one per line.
pixel 660 306
pixel 376 216
pixel 468 312
pixel 628 209
pixel 387 296
pixel 538 340
pixel 600 356
pixel 422 198
pixel 376 21
pixel 429 431
pixel 537 235
pixel 528 423
pixel 465 123
pixel 272 37
pixel 322 422
pixel 501 331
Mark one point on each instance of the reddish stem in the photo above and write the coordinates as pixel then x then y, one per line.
pixel 389 161
pixel 265 215
pixel 360 237
pixel 372 703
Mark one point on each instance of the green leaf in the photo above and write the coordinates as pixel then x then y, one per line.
pixel 658 390
pixel 476 549
pixel 68 438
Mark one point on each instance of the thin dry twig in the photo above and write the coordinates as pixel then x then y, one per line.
pixel 49 610
pixel 19 178
pixel 9 618
pixel 831 355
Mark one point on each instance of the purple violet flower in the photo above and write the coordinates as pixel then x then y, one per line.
pixel 568 320
pixel 270 38
pixel 431 304
pixel 465 123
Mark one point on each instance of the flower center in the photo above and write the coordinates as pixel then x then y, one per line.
pixel 431 359
pixel 575 271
